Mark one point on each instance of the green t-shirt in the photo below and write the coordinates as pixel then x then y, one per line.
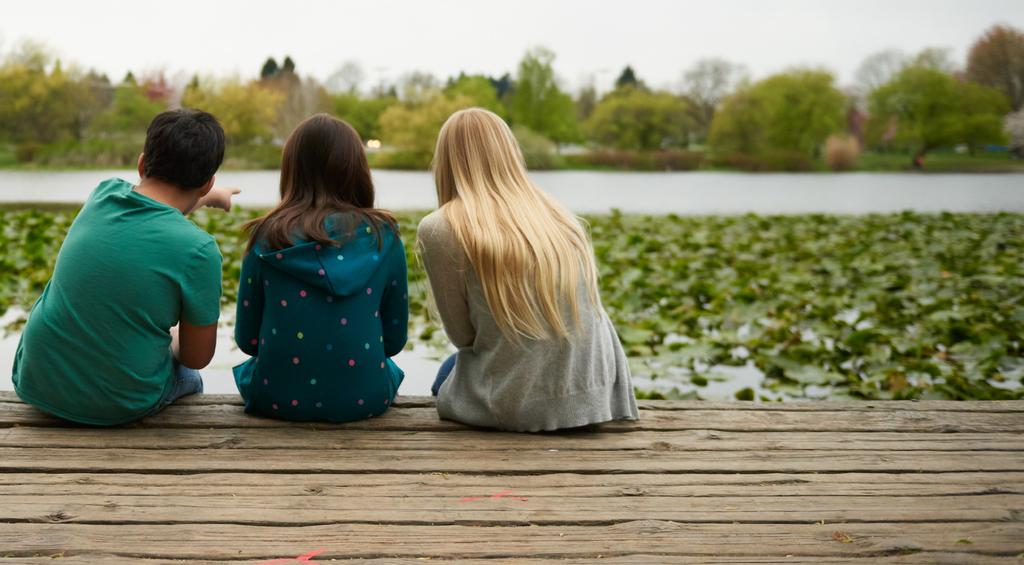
pixel 96 347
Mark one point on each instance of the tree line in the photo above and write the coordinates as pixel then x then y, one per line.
pixel 53 114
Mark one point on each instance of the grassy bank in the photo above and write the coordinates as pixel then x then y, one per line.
pixel 104 155
pixel 879 306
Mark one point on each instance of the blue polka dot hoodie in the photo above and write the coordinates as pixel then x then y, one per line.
pixel 321 324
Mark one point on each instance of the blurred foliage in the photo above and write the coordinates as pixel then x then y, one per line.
pixel 997 60
pixel 879 306
pixel 246 110
pixel 922 109
pixel 792 111
pixel 636 118
pixel 537 102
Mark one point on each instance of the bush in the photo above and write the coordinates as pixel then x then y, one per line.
pixel 841 152
pixel 618 159
pixel 540 152
pixel 120 151
pixel 786 161
pixel 678 160
pixel 403 160
pixel 26 152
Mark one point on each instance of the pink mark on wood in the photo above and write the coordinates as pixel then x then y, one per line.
pixel 496 496
pixel 304 558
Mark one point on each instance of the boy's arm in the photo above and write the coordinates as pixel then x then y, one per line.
pixel 200 307
pixel 249 309
pixel 194 346
pixel 218 197
pixel 395 303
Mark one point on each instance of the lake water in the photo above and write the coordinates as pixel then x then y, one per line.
pixel 657 193
pixel 585 192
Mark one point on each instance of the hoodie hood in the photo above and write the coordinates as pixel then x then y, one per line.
pixel 339 271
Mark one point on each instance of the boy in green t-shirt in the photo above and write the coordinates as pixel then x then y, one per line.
pixel 131 310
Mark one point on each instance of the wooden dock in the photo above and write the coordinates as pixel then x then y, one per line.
pixel 692 482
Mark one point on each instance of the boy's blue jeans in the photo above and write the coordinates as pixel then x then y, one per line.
pixel 443 374
pixel 186 381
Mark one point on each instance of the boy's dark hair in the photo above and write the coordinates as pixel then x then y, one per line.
pixel 184 147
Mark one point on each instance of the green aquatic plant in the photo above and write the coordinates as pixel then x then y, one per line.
pixel 879 306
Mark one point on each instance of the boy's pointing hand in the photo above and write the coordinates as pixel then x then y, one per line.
pixel 220 197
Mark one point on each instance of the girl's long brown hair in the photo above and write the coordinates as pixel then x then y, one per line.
pixel 323 172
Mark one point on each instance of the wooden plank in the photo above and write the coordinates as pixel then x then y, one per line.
pixel 226 541
pixel 472 440
pixel 476 506
pixel 502 462
pixel 1014 406
pixel 425 419
pixel 555 484
pixel 931 558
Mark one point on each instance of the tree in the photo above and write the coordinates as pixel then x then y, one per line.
pixel 417 87
pixel 269 69
pixel 288 66
pixel 627 78
pixel 586 101
pixel 414 128
pixel 638 119
pixel 36 105
pixel 878 69
pixel 537 102
pixel 246 111
pixel 479 89
pixel 935 58
pixel 997 59
pixel 706 83
pixel 130 112
pixel 926 109
pixel 347 78
pixel 793 111
pixel 362 113
pixel 502 85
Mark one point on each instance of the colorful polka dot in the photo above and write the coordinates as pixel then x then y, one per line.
pixel 245 303
pixel 263 341
pixel 300 335
pixel 266 283
pixel 376 314
pixel 381 364
pixel 368 230
pixel 253 341
pixel 387 401
pixel 376 257
pixel 279 256
pixel 351 362
pixel 249 280
pixel 302 293
pixel 295 360
pixel 341 257
pixel 321 272
pixel 382 339
pixel 318 248
pixel 274 406
pixel 319 404
pixel 312 381
pixel 369 290
pixel 266 382
pixel 273 331
pixel 295 402
pixel 359 402
pixel 344 321
pixel 366 345
pixel 284 303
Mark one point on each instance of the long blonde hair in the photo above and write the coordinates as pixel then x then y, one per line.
pixel 528 251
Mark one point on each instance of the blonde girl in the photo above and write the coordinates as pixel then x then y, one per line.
pixel 513 277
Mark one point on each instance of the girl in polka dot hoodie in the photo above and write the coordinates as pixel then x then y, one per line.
pixel 323 299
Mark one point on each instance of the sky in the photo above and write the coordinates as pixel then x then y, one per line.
pixel 593 39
